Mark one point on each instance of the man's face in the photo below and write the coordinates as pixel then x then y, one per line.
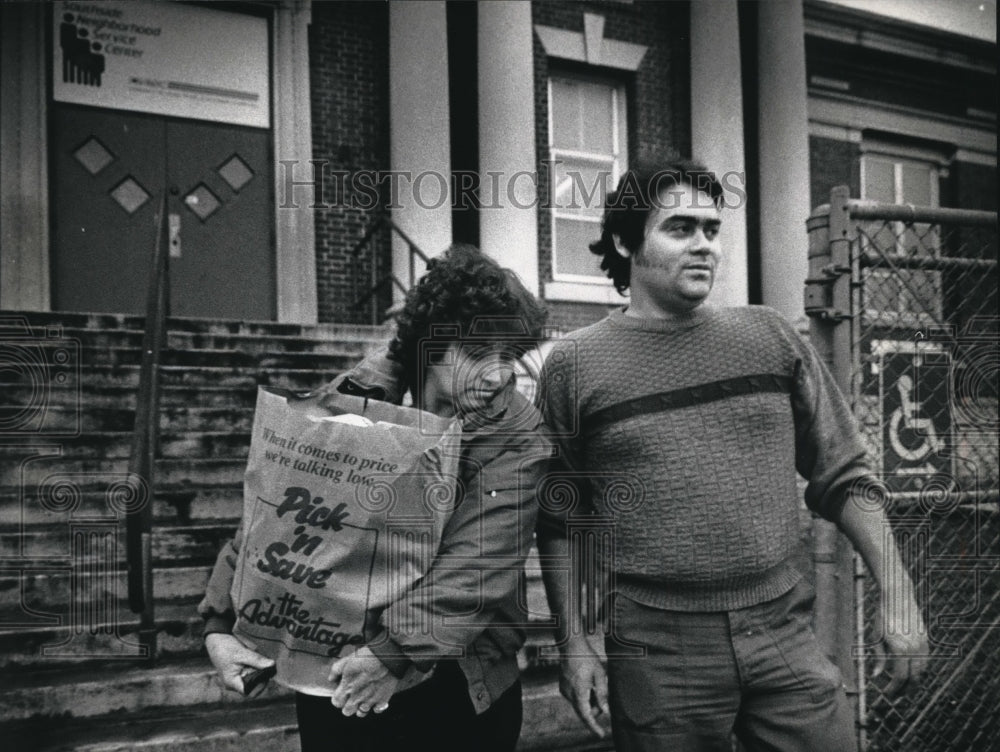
pixel 675 266
pixel 467 378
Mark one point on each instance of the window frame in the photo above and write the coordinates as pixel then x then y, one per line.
pixel 899 156
pixel 566 283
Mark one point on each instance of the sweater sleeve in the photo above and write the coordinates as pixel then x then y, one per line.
pixel 561 414
pixel 478 565
pixel 830 453
pixel 216 607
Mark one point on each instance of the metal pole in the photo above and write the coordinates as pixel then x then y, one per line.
pixel 145 438
pixel 829 306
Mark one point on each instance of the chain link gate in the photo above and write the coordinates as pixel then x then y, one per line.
pixel 903 304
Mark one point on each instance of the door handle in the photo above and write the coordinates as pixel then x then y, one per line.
pixel 174 227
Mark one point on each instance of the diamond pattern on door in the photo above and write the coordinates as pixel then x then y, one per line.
pixel 202 202
pixel 93 155
pixel 236 172
pixel 129 195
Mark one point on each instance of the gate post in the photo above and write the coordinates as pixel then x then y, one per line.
pixel 828 304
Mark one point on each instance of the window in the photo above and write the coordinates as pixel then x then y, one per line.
pixel 902 176
pixel 588 147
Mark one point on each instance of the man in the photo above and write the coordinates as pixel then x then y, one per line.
pixel 458 632
pixel 705 414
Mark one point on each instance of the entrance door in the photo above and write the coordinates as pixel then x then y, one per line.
pixel 110 169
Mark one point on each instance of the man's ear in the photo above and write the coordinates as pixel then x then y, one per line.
pixel 620 247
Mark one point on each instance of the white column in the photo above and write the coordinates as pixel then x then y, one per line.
pixel 24 202
pixel 295 229
pixel 717 133
pixel 420 140
pixel 508 221
pixel 784 155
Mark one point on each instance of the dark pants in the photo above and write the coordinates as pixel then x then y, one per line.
pixel 436 714
pixel 757 672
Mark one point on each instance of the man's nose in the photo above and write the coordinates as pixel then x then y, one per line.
pixel 702 244
pixel 494 371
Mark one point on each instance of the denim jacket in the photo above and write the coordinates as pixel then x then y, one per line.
pixel 471 611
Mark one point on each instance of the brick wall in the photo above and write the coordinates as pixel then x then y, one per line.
pixel 972 186
pixel 349 66
pixel 832 163
pixel 658 103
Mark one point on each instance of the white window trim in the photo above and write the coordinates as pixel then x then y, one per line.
pixel 590 46
pixel 898 155
pixel 845 118
pixel 595 288
pixel 597 291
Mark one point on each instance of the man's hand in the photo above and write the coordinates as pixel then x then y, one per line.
pixel 584 682
pixel 904 638
pixel 232 659
pixel 363 683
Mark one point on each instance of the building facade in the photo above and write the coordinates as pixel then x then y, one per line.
pixel 277 133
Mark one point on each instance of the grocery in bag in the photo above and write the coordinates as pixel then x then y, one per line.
pixel 344 503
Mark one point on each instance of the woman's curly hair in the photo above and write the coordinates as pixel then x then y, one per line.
pixel 628 206
pixel 466 294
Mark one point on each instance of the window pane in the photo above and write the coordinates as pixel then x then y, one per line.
pixel 579 187
pixel 916 184
pixel 572 254
pixel 598 114
pixel 879 182
pixel 566 115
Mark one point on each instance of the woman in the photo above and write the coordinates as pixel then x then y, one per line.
pixel 462 328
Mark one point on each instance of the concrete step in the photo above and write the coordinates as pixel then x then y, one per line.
pixel 173 444
pixel 347 343
pixel 231 727
pixel 179 503
pixel 265 359
pixel 31 592
pixel 194 543
pixel 54 474
pixel 123 396
pixel 13 324
pixel 267 724
pixel 35 646
pixel 87 420
pixel 117 687
pixel 210 376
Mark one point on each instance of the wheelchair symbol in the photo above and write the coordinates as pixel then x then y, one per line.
pixel 906 416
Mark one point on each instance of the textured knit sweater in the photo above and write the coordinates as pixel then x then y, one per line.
pixel 684 438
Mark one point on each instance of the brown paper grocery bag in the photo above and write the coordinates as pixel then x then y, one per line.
pixel 344 503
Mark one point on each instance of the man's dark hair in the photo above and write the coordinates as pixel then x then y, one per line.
pixel 465 294
pixel 628 206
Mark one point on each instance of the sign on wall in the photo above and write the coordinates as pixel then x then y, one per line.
pixel 162 58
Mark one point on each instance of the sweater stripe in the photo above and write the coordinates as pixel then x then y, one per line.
pixel 687 397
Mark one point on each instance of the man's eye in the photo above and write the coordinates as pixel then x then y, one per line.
pixel 680 228
pixel 711 232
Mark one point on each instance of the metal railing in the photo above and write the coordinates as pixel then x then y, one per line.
pixel 366 256
pixel 145 442
pixel 903 305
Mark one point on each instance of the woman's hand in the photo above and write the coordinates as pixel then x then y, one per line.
pixel 232 659
pixel 364 684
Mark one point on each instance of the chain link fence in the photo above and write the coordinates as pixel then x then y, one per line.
pixel 905 302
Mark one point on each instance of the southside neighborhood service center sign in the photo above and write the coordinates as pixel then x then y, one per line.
pixel 162 58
